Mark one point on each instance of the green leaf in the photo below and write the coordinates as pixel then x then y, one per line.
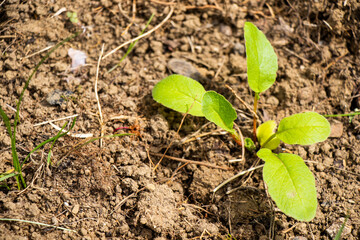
pixel 290 184
pixel 303 128
pixel 180 93
pixel 260 58
pixel 264 132
pixel 219 111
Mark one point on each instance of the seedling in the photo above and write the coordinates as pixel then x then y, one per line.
pixel 290 182
pixel 72 17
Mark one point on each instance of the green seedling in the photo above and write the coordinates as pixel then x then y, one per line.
pixel 72 17
pixel 290 183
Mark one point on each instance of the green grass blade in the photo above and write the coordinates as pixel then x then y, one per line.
pixel 343 115
pixel 19 178
pixel 52 145
pixel 131 46
pixel 49 140
pixel 6 176
pixel 338 234
pixel 37 223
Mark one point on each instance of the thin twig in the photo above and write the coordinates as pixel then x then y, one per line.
pixel 163 3
pixel 35 53
pixel 242 101
pixel 219 69
pixel 296 55
pixel 190 161
pixel 97 96
pixel 125 199
pixel 37 223
pixel 204 7
pixel 242 145
pixel 141 36
pixel 55 120
pixel 235 176
pixel 177 132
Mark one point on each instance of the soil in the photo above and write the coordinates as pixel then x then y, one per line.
pixel 113 192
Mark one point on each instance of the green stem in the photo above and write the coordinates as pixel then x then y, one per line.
pixel 343 115
pixel 256 98
pixel 236 138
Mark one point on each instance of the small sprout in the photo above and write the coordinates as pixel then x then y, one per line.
pixel 291 184
pixel 249 144
pixel 72 17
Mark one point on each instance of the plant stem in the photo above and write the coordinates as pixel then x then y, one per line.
pixel 343 115
pixel 256 98
pixel 236 138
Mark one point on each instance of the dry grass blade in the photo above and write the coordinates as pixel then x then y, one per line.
pixel 141 36
pixel 190 161
pixel 37 223
pixel 97 97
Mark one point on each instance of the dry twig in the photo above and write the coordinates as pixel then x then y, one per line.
pixel 97 96
pixel 141 36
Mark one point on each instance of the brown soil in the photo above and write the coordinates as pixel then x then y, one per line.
pixel 112 192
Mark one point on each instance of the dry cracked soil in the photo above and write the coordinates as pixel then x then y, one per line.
pixel 112 191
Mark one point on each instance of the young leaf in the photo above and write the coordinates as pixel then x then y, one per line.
pixel 264 132
pixel 303 128
pixel 219 111
pixel 249 144
pixel 260 58
pixel 290 184
pixel 180 93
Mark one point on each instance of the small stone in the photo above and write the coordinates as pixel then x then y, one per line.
pixel 298 238
pixel 225 29
pixel 151 187
pixel 57 97
pixel 238 63
pixel 182 67
pixel 75 209
pixel 34 210
pixel 336 130
pixel 83 231
pixel 273 101
pixel 239 48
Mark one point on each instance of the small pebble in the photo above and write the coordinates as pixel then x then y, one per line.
pixel 75 209
pixel 336 130
pixel 182 67
pixel 151 187
pixel 57 97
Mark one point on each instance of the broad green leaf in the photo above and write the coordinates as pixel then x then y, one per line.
pixel 303 128
pixel 290 184
pixel 264 132
pixel 260 58
pixel 219 111
pixel 180 93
